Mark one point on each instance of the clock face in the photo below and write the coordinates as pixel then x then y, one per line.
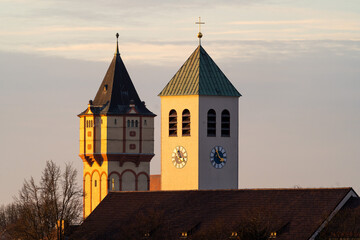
pixel 218 157
pixel 179 157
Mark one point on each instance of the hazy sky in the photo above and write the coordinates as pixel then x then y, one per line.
pixel 296 63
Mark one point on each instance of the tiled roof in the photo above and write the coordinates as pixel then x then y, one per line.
pixel 292 213
pixel 200 75
pixel 117 91
pixel 346 223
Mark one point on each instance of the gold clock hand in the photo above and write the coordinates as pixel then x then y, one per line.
pixel 221 159
pixel 179 156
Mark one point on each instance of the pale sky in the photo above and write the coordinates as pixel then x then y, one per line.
pixel 296 63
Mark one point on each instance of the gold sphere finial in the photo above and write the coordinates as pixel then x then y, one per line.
pixel 200 35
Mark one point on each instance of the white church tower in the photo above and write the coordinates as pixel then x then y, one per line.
pixel 199 127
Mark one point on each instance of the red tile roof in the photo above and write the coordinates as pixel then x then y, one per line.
pixel 346 223
pixel 292 213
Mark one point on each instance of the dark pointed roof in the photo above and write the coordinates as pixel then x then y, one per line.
pixel 117 92
pixel 200 75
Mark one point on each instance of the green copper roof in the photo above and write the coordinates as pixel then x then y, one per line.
pixel 200 75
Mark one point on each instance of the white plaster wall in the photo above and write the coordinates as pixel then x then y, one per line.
pixel 144 167
pixel 148 135
pixel 142 182
pixel 97 124
pixel 226 177
pixel 128 181
pixel 115 134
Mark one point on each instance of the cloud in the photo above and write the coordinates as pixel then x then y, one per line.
pixel 169 53
pixel 55 29
pixel 286 22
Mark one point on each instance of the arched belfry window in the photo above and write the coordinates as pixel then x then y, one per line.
pixel 225 123
pixel 211 123
pixel 186 122
pixel 172 123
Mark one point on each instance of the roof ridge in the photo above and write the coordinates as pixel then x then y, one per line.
pixel 241 189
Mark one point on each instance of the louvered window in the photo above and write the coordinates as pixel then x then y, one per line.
pixel 225 123
pixel 211 123
pixel 186 122
pixel 172 123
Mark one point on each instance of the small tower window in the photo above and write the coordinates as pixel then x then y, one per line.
pixel 112 184
pixel 225 123
pixel 128 123
pixel 211 123
pixel 136 123
pixel 172 123
pixel 95 183
pixel 115 121
pixel 132 123
pixel 145 123
pixel 186 122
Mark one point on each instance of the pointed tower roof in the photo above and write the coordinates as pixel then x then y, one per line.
pixel 200 75
pixel 117 94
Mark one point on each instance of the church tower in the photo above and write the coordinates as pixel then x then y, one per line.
pixel 199 127
pixel 116 138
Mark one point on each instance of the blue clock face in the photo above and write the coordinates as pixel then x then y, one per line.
pixel 218 157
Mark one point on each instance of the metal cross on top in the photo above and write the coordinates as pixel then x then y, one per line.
pixel 200 34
